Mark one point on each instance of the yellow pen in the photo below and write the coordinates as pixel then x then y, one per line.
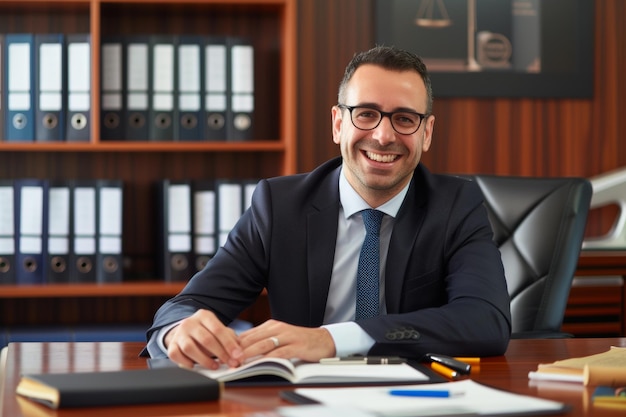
pixel 444 370
pixel 471 361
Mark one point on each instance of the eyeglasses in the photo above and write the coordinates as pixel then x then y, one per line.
pixel 367 118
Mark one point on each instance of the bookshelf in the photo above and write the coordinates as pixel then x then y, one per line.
pixel 270 26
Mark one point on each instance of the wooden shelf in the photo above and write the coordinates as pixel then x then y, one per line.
pixel 127 289
pixel 121 146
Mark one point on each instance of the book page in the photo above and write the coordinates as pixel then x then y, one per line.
pixel 279 367
pixel 320 373
pixel 305 372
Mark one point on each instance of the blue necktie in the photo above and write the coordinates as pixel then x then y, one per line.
pixel 369 262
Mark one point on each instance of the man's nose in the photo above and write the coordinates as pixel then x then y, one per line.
pixel 384 132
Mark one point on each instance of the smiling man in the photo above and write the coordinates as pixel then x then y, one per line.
pixel 435 280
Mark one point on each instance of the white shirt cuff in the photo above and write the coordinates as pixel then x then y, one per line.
pixel 349 338
pixel 160 337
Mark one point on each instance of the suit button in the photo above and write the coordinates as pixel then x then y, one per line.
pixel 391 336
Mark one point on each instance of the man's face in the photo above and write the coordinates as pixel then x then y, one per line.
pixel 378 163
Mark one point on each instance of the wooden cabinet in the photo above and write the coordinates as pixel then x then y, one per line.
pixel 597 300
pixel 269 25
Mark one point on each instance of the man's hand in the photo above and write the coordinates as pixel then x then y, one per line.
pixel 202 338
pixel 278 339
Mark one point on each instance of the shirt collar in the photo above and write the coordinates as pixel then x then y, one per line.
pixel 352 202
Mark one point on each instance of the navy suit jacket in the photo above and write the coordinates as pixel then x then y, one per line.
pixel 445 287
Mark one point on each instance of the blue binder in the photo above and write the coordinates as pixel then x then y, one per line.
pixel 31 205
pixel 19 88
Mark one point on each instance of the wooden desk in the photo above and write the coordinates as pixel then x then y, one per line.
pixel 509 372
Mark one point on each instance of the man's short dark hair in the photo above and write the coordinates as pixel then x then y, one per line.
pixel 390 58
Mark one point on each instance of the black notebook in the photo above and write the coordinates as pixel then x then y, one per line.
pixel 142 386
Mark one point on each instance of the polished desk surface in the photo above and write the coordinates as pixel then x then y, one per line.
pixel 508 372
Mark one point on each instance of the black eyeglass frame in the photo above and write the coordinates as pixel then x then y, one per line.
pixel 422 116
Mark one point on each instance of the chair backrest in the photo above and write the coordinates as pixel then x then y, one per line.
pixel 539 225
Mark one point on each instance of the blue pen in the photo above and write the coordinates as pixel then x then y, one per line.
pixel 420 393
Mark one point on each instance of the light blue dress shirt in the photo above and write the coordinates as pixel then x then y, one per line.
pixel 348 336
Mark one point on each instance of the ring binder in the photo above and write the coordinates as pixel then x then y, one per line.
pixel 162 109
pixel 31 229
pixel 137 84
pixel 50 87
pixel 20 83
pixel 7 232
pixel 112 88
pixel 79 87
pixel 109 231
pixel 175 233
pixel 189 89
pixel 216 84
pixel 83 231
pixel 58 242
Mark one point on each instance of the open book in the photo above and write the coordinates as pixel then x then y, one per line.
pixel 606 368
pixel 305 373
pixel 465 397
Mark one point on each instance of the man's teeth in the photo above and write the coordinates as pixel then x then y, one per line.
pixel 381 158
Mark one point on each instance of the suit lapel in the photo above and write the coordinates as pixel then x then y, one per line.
pixel 405 230
pixel 321 240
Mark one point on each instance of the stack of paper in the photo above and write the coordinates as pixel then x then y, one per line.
pixel 464 397
pixel 607 368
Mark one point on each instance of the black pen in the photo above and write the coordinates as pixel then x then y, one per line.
pixel 360 360
pixel 449 362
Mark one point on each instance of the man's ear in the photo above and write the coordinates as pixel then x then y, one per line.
pixel 429 127
pixel 336 121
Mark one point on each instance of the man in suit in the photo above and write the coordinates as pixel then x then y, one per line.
pixel 441 283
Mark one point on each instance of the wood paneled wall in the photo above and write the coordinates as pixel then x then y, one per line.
pixel 530 137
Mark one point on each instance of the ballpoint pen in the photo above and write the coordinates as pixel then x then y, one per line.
pixel 368 360
pixel 431 393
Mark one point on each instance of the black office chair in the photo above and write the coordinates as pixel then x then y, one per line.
pixel 539 225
